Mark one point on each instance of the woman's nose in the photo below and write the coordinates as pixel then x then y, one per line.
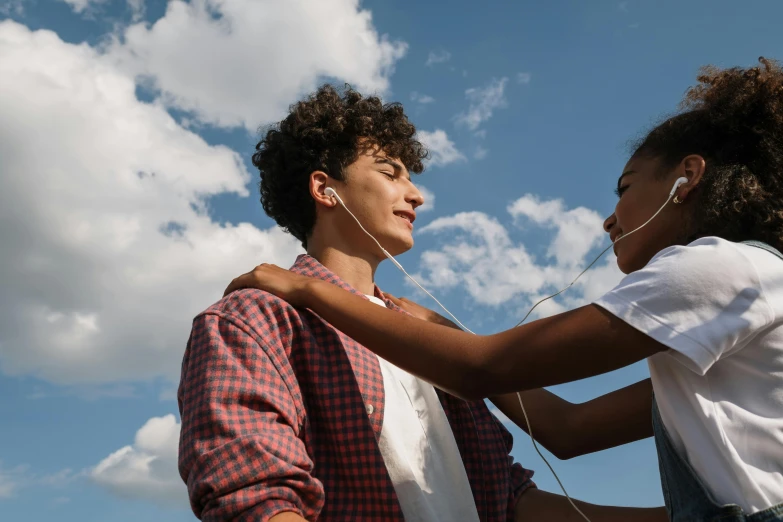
pixel 610 222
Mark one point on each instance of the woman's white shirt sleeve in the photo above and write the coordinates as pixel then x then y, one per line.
pixel 704 301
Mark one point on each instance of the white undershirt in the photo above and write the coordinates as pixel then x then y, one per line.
pixel 718 306
pixel 420 452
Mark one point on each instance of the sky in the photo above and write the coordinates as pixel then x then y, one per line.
pixel 128 201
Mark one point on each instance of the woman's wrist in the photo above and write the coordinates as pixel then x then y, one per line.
pixel 308 292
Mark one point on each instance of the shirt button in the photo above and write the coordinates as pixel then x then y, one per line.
pixel 370 409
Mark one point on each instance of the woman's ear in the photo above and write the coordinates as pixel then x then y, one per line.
pixel 691 167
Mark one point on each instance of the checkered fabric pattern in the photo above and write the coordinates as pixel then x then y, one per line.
pixel 282 412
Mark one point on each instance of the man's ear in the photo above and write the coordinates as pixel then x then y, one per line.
pixel 319 181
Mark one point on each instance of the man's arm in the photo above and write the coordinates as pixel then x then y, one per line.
pixel 537 505
pixel 240 452
pixel 569 430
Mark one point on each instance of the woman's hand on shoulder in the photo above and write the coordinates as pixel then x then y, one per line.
pixel 283 283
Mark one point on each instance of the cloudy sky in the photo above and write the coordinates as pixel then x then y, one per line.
pixel 127 200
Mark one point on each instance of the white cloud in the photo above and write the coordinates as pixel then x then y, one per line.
pixel 442 149
pixel 524 78
pixel 429 199
pixel 146 470
pixel 276 51
pixel 480 153
pixel 579 230
pixel 434 57
pixel 137 9
pixel 79 6
pixel 86 7
pixel 108 251
pixel 421 98
pixel 478 256
pixel 483 102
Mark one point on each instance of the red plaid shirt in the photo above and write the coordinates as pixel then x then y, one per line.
pixel 282 412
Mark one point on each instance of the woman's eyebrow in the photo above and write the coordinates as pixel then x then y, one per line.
pixel 626 173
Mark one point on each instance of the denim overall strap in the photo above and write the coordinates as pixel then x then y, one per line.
pixel 764 246
pixel 686 498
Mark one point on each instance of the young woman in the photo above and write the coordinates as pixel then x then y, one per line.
pixel 702 302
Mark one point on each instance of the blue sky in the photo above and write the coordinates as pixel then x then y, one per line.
pixel 128 201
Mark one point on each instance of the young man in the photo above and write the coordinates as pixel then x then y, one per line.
pixel 284 418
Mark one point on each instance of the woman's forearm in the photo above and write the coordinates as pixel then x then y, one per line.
pixel 449 358
pixel 570 346
pixel 551 419
pixel 569 430
pixel 541 505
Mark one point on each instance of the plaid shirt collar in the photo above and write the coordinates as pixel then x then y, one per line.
pixel 307 265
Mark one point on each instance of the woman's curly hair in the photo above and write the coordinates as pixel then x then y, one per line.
pixel 327 131
pixel 734 119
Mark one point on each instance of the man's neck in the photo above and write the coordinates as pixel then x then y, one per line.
pixel 356 271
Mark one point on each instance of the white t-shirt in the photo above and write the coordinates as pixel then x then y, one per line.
pixel 420 452
pixel 718 306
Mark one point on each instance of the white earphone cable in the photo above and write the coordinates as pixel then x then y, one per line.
pixel 519 395
pixel 398 265
pixel 679 181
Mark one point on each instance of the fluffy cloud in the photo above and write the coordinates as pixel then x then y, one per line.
pixel 241 62
pixel 478 255
pixel 442 149
pixel 579 230
pixel 108 251
pixel 146 470
pixel 524 78
pixel 483 102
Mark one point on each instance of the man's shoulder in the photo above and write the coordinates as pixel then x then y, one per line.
pixel 251 306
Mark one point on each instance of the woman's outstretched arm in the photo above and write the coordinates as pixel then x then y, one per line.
pixel 566 347
pixel 570 430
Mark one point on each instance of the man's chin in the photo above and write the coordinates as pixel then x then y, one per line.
pixel 396 246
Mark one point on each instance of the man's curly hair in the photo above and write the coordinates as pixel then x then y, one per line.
pixel 734 119
pixel 327 131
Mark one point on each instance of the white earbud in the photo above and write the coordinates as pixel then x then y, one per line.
pixel 677 184
pixel 331 192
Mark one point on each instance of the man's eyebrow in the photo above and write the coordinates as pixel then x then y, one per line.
pixel 626 173
pixel 395 165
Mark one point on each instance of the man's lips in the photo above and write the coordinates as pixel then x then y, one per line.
pixel 407 216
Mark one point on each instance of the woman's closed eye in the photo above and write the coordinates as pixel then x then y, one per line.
pixel 620 190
